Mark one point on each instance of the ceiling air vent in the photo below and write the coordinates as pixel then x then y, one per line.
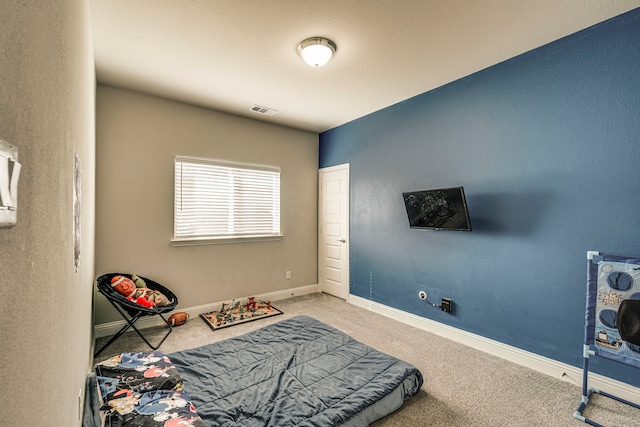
pixel 264 110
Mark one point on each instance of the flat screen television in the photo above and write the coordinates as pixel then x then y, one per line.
pixel 439 209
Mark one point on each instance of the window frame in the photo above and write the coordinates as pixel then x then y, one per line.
pixel 227 238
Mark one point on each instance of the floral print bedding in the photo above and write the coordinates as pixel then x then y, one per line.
pixel 143 390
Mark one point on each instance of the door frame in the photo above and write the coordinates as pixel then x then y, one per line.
pixel 347 167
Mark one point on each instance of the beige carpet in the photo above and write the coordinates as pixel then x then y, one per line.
pixel 463 387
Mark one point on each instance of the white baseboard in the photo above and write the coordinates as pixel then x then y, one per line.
pixel 530 360
pixel 111 328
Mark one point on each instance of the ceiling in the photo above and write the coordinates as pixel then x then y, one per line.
pixel 229 55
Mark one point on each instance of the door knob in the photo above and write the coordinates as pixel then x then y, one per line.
pixel 341 240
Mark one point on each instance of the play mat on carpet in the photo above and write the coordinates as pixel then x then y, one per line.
pixel 235 313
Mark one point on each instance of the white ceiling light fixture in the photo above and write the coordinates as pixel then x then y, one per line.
pixel 317 51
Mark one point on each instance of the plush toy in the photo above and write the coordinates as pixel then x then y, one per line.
pixel 123 285
pixel 143 296
pixel 145 302
pixel 156 297
pixel 140 283
pixel 178 318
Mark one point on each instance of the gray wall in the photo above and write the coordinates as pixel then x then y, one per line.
pixel 138 137
pixel 47 110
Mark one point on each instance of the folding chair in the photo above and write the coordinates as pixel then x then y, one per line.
pixel 612 320
pixel 132 311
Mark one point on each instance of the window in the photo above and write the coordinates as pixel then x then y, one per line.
pixel 219 202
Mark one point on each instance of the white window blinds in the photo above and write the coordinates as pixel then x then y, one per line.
pixel 218 200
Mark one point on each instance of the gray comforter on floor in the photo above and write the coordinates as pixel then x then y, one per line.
pixel 297 372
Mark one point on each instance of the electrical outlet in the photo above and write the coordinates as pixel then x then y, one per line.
pixel 446 305
pixel 287 275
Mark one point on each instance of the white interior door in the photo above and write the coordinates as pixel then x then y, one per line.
pixel 333 231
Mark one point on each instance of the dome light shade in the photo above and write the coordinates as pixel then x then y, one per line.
pixel 317 51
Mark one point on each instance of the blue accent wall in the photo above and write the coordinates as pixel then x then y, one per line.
pixel 547 147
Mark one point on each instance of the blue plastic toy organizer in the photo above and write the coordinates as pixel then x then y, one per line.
pixel 612 320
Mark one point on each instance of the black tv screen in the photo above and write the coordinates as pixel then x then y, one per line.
pixel 440 209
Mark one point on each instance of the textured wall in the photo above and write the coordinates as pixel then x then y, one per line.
pixel 138 137
pixel 47 96
pixel 547 146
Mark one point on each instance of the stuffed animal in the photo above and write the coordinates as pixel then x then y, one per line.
pixel 143 296
pixel 139 281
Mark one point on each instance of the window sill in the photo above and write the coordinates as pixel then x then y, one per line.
pixel 224 240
